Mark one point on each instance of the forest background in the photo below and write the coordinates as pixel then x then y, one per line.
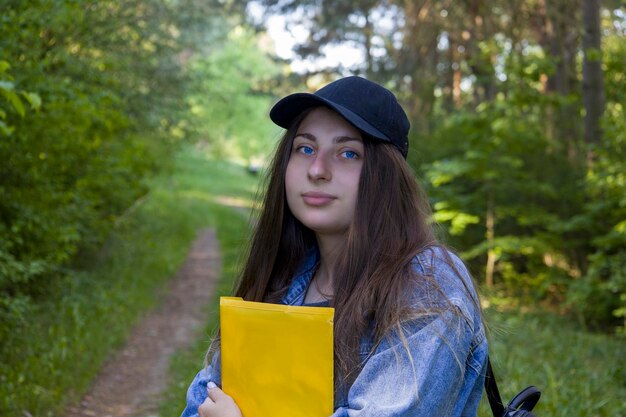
pixel 518 134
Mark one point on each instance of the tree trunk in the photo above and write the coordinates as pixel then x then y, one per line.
pixel 418 59
pixel 456 87
pixel 449 77
pixel 368 31
pixel 593 87
pixel 490 235
pixel 557 30
pixel 480 63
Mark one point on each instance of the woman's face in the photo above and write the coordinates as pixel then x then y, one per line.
pixel 323 172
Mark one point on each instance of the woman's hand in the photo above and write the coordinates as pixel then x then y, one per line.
pixel 218 404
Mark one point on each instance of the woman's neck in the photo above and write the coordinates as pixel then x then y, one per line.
pixel 321 286
pixel 330 248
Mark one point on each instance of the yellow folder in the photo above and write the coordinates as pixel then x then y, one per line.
pixel 277 360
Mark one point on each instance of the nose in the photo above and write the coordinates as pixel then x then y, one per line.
pixel 319 170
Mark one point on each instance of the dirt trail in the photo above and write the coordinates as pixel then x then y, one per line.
pixel 129 384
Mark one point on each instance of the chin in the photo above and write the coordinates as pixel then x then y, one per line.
pixel 325 228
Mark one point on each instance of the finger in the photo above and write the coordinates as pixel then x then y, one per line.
pixel 206 408
pixel 209 387
pixel 216 394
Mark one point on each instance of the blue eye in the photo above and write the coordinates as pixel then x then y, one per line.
pixel 351 155
pixel 307 150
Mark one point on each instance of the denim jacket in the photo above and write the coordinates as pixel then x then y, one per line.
pixel 444 373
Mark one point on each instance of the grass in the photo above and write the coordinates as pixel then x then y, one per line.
pixel 186 363
pixel 232 234
pixel 579 373
pixel 66 336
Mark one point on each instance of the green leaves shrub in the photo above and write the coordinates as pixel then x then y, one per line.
pixel 559 228
pixel 105 83
pixel 89 95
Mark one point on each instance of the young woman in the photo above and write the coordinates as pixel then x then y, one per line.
pixel 344 224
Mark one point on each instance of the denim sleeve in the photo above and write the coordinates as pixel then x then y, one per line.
pixel 427 383
pixel 197 392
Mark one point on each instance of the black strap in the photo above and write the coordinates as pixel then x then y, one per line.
pixel 493 394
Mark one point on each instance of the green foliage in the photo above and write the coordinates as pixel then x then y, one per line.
pixel 95 74
pixel 48 360
pixel 600 295
pixel 559 230
pixel 229 98
pixel 94 99
pixel 14 98
pixel 92 102
pixel 498 159
pixel 106 81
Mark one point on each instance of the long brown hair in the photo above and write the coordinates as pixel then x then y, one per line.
pixel 371 278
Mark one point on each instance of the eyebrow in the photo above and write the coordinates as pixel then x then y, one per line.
pixel 337 139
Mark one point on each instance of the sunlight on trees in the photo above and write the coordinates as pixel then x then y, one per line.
pixel 229 98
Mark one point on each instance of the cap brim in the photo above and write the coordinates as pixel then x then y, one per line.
pixel 287 109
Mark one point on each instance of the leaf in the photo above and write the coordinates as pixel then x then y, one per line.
pixel 4 66
pixel 15 101
pixel 33 99
pixel 459 220
pixel 7 88
pixel 7 85
pixel 6 130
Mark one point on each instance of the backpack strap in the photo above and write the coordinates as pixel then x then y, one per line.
pixel 493 394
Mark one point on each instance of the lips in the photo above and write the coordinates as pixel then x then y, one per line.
pixel 315 198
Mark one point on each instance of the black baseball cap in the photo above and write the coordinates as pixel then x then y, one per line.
pixel 368 106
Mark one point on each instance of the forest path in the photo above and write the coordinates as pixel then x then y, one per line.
pixel 130 383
